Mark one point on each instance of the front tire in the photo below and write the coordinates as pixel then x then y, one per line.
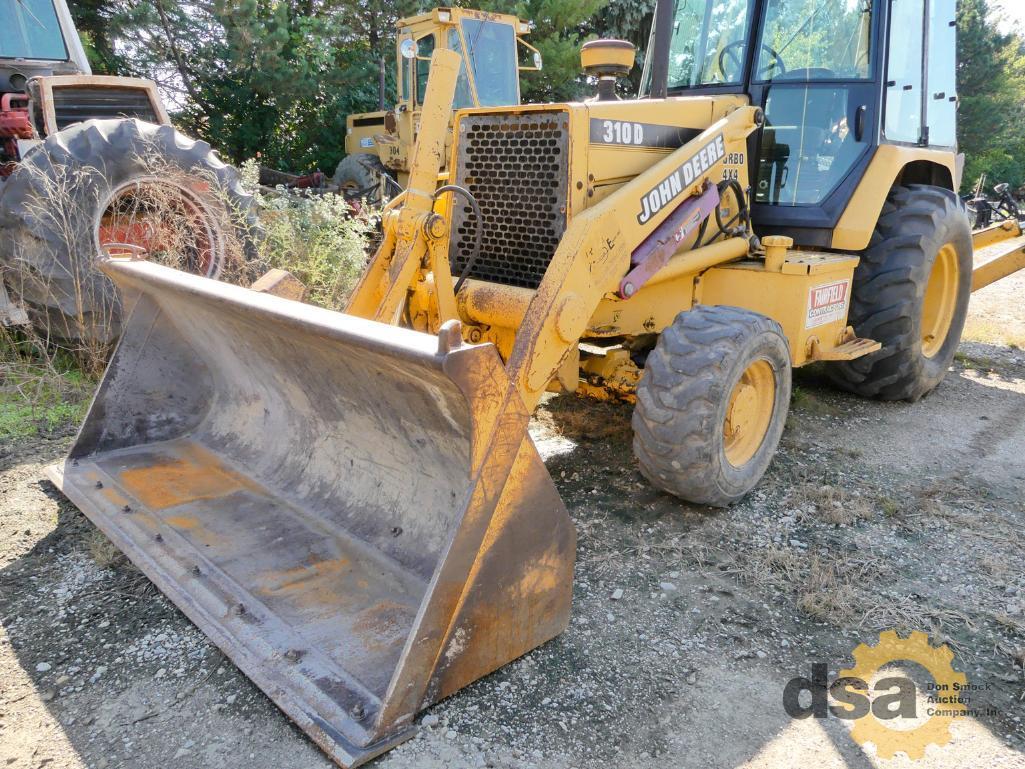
pixel 911 293
pixel 712 404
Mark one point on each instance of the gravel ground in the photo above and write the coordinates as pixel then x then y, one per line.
pixel 687 622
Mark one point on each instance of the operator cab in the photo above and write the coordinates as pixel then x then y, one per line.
pixel 37 37
pixel 831 89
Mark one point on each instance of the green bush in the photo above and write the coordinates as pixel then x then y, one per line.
pixel 317 238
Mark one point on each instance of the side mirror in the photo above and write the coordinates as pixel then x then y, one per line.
pixel 530 54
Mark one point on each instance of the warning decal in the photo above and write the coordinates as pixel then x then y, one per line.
pixel 827 303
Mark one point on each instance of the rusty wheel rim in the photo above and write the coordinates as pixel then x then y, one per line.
pixel 164 221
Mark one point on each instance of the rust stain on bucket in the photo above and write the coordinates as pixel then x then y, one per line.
pixel 195 474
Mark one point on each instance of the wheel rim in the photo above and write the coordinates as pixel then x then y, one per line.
pixel 749 413
pixel 163 221
pixel 940 301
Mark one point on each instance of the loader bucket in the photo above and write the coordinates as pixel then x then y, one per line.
pixel 353 512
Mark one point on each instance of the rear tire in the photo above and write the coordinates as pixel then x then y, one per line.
pixel 53 206
pixel 359 177
pixel 911 293
pixel 712 404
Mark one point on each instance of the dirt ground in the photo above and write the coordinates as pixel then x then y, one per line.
pixel 687 622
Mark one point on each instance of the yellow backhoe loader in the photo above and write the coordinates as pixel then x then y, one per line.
pixel 378 145
pixel 349 504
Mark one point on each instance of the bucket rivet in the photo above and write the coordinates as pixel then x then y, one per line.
pixel 293 655
pixel 196 570
pixel 99 484
pixel 357 711
pixel 396 530
pixel 159 537
pixel 126 509
pixel 240 609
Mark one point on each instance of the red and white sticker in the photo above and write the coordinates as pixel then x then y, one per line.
pixel 827 303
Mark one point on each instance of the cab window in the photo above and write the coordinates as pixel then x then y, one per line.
pixel 29 29
pixel 424 50
pixel 815 40
pixel 709 43
pixel 492 48
pixel 463 97
pixel 904 72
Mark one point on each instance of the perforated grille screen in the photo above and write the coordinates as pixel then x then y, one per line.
pixel 517 167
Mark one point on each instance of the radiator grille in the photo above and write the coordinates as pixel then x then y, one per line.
pixel 517 167
pixel 72 104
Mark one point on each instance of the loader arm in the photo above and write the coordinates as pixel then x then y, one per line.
pixel 595 252
pixel 409 228
pixel 593 257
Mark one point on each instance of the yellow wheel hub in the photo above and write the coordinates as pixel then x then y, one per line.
pixel 749 413
pixel 940 301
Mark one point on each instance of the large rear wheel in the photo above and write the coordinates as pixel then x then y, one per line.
pixel 360 177
pixel 117 187
pixel 712 404
pixel 911 293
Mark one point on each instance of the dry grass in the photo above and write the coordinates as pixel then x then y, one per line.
pixel 826 592
pixel 993 332
pixel 102 550
pixel 803 401
pixel 183 220
pixel 830 504
pixel 585 419
pixel 188 222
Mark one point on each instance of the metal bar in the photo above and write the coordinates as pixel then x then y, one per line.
pixel 657 249
pixel 660 54
pixel 999 268
pixel 996 233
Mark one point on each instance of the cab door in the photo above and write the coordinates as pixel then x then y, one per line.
pixel 815 71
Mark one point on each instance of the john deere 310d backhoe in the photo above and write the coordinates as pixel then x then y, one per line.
pixel 350 505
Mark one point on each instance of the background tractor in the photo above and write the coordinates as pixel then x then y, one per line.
pixel 90 165
pixel 378 145
pixel 781 194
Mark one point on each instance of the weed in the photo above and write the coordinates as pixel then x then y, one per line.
pixel 316 238
pixel 102 550
pixel 41 391
pixel 831 504
pixel 974 362
pixel 889 506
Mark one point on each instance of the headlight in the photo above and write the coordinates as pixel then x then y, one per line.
pixel 537 59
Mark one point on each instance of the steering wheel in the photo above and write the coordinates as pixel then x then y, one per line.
pixel 732 53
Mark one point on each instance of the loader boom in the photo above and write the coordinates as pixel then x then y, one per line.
pixel 593 256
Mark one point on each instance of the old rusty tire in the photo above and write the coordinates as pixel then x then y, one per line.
pixel 359 176
pixel 121 187
pixel 712 404
pixel 911 293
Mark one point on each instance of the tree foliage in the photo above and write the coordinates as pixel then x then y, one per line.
pixel 991 84
pixel 276 78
